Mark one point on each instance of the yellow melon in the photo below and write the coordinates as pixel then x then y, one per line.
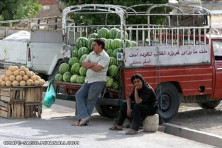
pixel 34 78
pixel 12 78
pixel 3 77
pixel 38 77
pixel 8 83
pixel 36 83
pixel 22 83
pixel 29 82
pixel 25 77
pixel 22 68
pixel 41 81
pixel 18 78
pixel 21 72
pixel 3 83
pixel 15 83
pixel 8 73
pixel 6 78
pixel 11 68
pixel 16 72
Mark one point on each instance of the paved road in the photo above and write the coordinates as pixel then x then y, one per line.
pixel 55 126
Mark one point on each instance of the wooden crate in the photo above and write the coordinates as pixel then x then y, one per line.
pixel 33 110
pixel 33 94
pixel 10 94
pixel 12 109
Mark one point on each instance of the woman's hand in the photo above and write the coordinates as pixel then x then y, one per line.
pixel 129 113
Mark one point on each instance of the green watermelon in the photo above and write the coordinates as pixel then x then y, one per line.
pixel 81 42
pixel 133 44
pixel 116 43
pixel 58 77
pixel 73 60
pixel 128 43
pixel 112 61
pixel 82 71
pixel 109 52
pixel 83 58
pixel 73 78
pixel 80 79
pixel 108 43
pixel 90 46
pixel 75 68
pixel 103 33
pixel 115 85
pixel 118 36
pixel 113 70
pixel 93 35
pixel 64 67
pixel 113 33
pixel 66 76
pixel 109 81
pixel 75 53
pixel 82 51
pixel 114 53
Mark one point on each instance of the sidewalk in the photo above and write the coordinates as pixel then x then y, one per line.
pixel 54 127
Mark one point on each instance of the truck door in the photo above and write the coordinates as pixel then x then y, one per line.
pixel 217 47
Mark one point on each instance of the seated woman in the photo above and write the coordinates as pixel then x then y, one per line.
pixel 141 103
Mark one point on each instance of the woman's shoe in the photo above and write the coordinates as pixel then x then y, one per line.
pixel 131 132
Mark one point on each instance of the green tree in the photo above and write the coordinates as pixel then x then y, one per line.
pixel 112 18
pixel 18 9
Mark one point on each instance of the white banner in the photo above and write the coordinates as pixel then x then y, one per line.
pixel 151 56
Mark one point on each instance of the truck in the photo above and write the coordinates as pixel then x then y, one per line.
pixel 34 43
pixel 178 56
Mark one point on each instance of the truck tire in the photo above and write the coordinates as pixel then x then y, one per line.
pixel 108 111
pixel 168 100
pixel 209 104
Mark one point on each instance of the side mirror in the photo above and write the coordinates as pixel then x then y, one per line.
pixel 66 50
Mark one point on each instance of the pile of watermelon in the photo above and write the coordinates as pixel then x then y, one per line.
pixel 73 72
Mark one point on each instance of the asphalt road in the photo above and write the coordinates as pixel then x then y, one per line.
pixel 55 127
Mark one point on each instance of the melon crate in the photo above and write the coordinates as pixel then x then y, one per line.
pixel 21 102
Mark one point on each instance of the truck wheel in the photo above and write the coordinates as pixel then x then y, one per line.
pixel 210 104
pixel 108 111
pixel 168 100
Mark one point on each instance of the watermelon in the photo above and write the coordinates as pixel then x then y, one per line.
pixel 113 70
pixel 113 33
pixel 128 43
pixel 81 42
pixel 118 36
pixel 93 35
pixel 75 53
pixel 73 78
pixel 66 76
pixel 115 85
pixel 75 68
pixel 112 61
pixel 58 77
pixel 83 58
pixel 114 53
pixel 73 60
pixel 108 44
pixel 82 51
pixel 109 81
pixel 103 33
pixel 64 67
pixel 82 71
pixel 116 43
pixel 90 46
pixel 133 44
pixel 80 79
pixel 109 52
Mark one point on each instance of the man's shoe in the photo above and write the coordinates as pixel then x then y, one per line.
pixel 84 121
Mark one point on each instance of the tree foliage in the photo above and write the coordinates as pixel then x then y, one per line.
pixel 18 9
pixel 113 19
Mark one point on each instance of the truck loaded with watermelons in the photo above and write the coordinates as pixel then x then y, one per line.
pixel 176 55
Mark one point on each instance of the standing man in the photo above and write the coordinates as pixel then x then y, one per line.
pixel 96 63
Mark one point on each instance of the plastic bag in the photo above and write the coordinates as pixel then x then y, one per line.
pixel 50 96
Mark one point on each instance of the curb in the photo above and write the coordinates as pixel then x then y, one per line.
pixel 191 134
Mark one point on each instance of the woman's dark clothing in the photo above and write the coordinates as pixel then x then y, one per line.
pixel 148 106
